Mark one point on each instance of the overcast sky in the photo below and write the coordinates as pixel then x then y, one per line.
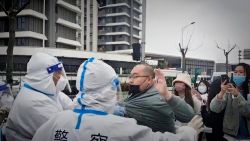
pixel 222 21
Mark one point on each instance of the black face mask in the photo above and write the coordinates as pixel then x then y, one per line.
pixel 134 89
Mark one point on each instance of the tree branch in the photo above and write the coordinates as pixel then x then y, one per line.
pixel 186 49
pixel 232 48
pixel 220 48
pixel 20 9
pixel 190 38
pixel 2 7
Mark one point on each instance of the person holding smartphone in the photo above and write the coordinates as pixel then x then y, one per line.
pixel 233 99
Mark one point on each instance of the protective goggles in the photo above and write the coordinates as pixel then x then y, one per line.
pixel 5 88
pixel 55 68
pixel 59 67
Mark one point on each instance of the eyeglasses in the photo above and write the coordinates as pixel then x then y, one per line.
pixel 136 76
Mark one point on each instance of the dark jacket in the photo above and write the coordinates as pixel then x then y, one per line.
pixel 212 119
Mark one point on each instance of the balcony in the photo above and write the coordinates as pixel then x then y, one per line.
pixel 114 43
pixel 113 33
pixel 28 12
pixel 114 14
pixel 138 10
pixel 137 19
pixel 136 36
pixel 115 5
pixel 69 6
pixel 138 1
pixel 113 24
pixel 137 27
pixel 30 34
pixel 68 24
pixel 68 42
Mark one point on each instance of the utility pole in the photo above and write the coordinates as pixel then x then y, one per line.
pixel 226 53
pixel 239 55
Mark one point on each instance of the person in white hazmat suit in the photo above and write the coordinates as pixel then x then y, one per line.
pixel 92 118
pixel 6 97
pixel 39 98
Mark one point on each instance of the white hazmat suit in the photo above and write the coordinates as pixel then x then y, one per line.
pixel 37 100
pixel 6 96
pixel 91 120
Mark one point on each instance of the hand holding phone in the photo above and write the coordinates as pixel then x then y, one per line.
pixel 232 80
pixel 224 78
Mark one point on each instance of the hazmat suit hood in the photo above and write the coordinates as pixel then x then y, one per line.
pixel 40 69
pixel 98 84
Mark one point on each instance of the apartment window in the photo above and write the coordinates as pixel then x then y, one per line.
pixel 66 14
pixel 59 45
pixel 109 10
pixel 119 38
pixel 28 42
pixel 108 20
pixel 72 2
pixel 22 42
pixel 120 28
pixel 35 25
pixel 109 29
pixel 2 25
pixel 36 5
pixel 136 32
pixel 109 2
pixel 137 15
pixel 56 9
pixel 136 23
pixel 119 10
pixel 137 6
pixel 66 32
pixel 101 48
pixel 22 2
pixel 102 38
pixel 1 42
pixel 4 42
pixel 22 23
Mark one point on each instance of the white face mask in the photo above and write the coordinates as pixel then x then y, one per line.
pixel 61 84
pixel 202 89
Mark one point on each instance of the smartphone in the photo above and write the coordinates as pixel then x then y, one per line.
pixel 232 80
pixel 224 77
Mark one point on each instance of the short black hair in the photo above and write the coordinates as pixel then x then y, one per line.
pixel 148 69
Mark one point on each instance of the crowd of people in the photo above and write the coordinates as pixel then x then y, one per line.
pixel 41 111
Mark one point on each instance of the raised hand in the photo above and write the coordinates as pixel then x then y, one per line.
pixel 160 84
pixel 233 90
pixel 196 123
pixel 224 89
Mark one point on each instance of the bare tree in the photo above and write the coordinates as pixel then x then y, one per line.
pixel 226 53
pixel 11 9
pixel 183 53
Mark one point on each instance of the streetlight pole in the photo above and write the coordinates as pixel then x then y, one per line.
pixel 239 55
pixel 182 31
pixel 182 49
